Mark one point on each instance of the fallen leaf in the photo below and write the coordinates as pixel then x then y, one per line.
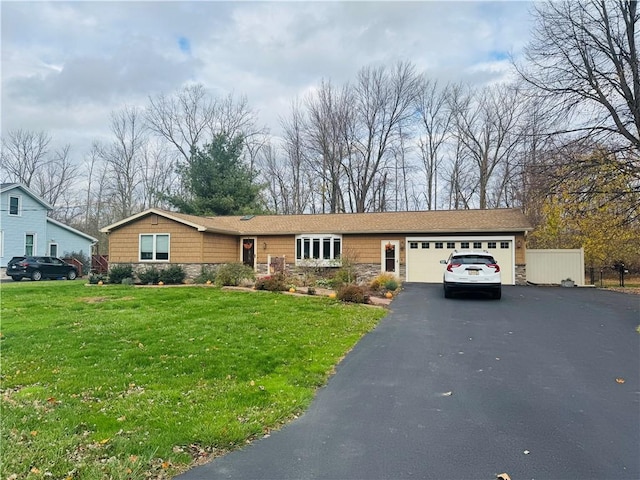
pixel 165 465
pixel 620 380
pixel 503 476
pixel 35 470
pixel 105 440
pixel 34 433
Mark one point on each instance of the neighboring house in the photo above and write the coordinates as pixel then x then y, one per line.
pixel 26 229
pixel 409 245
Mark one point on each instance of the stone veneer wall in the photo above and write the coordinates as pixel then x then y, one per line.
pixel 191 270
pixel 521 274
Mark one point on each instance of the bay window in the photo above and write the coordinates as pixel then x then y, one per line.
pixel 319 250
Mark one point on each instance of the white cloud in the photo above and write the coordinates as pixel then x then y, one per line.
pixel 65 65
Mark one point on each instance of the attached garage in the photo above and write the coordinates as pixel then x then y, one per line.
pixel 424 255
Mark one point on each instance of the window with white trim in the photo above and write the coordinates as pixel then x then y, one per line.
pixel 14 205
pixel 30 244
pixel 504 244
pixel 154 247
pixel 321 250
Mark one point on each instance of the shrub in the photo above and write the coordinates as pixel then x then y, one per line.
pixel 381 281
pixel 206 273
pixel 311 291
pixel 232 274
pixel 149 276
pixel 344 275
pixel 94 278
pixel 119 272
pixel 173 274
pixel 127 281
pixel 274 283
pixel 351 293
pixel 326 283
pixel 391 285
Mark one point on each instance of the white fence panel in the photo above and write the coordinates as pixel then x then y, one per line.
pixel 550 267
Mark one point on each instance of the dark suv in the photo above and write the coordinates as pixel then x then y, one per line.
pixel 37 268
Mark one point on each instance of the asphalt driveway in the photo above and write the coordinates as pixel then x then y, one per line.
pixel 543 384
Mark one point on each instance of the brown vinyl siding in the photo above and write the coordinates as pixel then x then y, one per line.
pixel 277 246
pixel 367 248
pixel 219 248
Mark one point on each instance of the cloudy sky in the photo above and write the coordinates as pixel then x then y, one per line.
pixel 67 65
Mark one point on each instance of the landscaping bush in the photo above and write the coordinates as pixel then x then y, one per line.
pixel 344 275
pixel 94 278
pixel 172 275
pixel 351 293
pixel 127 281
pixel 232 274
pixel 391 285
pixel 274 283
pixel 119 272
pixel 381 281
pixel 149 276
pixel 206 273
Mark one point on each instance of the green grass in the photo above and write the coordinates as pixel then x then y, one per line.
pixel 124 383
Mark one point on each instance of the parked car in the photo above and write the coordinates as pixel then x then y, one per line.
pixel 37 268
pixel 469 271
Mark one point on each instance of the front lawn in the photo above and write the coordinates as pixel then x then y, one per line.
pixel 122 382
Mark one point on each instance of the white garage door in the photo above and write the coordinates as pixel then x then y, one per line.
pixel 424 255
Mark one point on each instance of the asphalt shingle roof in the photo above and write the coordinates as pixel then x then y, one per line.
pixel 435 221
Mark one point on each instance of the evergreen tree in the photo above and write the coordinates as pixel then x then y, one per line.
pixel 217 181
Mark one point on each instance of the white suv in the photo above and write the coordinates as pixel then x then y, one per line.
pixel 472 271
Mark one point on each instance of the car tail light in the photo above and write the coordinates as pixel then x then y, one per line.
pixel 24 263
pixel 451 266
pixel 495 266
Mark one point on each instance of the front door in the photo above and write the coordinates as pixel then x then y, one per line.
pixel 249 252
pixel 391 256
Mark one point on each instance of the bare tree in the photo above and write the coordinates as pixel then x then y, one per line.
pixel 435 120
pixel 26 159
pixel 584 59
pixel 56 177
pixel 329 118
pixel 159 175
pixel 182 119
pixel 460 179
pixel 124 158
pixel 485 123
pixel 383 101
pixel 23 154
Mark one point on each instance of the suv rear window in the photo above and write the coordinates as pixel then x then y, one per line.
pixel 473 260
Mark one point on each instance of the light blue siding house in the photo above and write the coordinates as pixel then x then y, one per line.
pixel 26 229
